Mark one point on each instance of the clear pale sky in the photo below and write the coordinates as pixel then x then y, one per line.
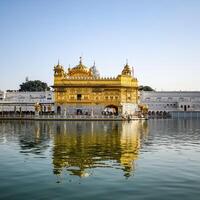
pixel 160 39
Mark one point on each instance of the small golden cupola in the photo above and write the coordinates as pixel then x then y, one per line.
pixel 80 70
pixel 127 70
pixel 58 70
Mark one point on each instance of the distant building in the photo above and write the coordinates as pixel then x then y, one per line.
pixel 15 101
pixel 81 90
pixel 164 101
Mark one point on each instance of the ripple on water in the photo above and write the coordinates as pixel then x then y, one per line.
pixel 158 159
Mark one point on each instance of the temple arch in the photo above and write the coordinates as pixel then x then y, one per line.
pixel 58 110
pixel 111 109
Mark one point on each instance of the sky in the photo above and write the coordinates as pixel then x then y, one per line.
pixel 160 39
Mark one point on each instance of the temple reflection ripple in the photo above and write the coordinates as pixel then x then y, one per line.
pixel 100 160
pixel 79 147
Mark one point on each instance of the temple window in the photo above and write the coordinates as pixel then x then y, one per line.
pixel 158 98
pixel 79 96
pixel 170 98
pixel 181 99
pixel 147 99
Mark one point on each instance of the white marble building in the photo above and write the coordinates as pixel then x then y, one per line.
pixel 15 101
pixel 164 101
pixel 158 102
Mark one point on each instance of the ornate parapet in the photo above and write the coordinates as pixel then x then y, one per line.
pixel 88 78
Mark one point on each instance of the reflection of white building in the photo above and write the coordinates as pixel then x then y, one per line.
pixel 16 101
pixel 171 101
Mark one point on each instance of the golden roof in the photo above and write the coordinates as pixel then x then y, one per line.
pixel 80 70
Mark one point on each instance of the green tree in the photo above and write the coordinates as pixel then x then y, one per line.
pixel 145 88
pixel 33 86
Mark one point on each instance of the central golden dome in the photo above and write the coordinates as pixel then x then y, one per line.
pixel 80 70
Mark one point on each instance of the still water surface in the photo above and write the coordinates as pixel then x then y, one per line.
pixel 155 159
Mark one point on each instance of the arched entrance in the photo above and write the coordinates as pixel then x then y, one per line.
pixel 185 108
pixel 110 110
pixel 59 110
pixel 79 112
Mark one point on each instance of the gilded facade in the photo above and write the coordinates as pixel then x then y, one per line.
pixel 81 90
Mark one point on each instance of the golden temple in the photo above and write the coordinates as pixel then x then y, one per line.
pixel 81 90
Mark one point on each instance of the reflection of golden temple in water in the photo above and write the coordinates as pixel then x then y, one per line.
pixel 81 146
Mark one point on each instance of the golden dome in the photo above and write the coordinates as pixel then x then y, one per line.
pixel 80 70
pixel 58 70
pixel 58 65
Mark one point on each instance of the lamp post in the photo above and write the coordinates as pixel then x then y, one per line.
pixel 92 112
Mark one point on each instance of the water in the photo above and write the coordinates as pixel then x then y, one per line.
pixel 155 159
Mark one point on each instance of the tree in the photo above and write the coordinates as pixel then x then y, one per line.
pixel 145 88
pixel 33 86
